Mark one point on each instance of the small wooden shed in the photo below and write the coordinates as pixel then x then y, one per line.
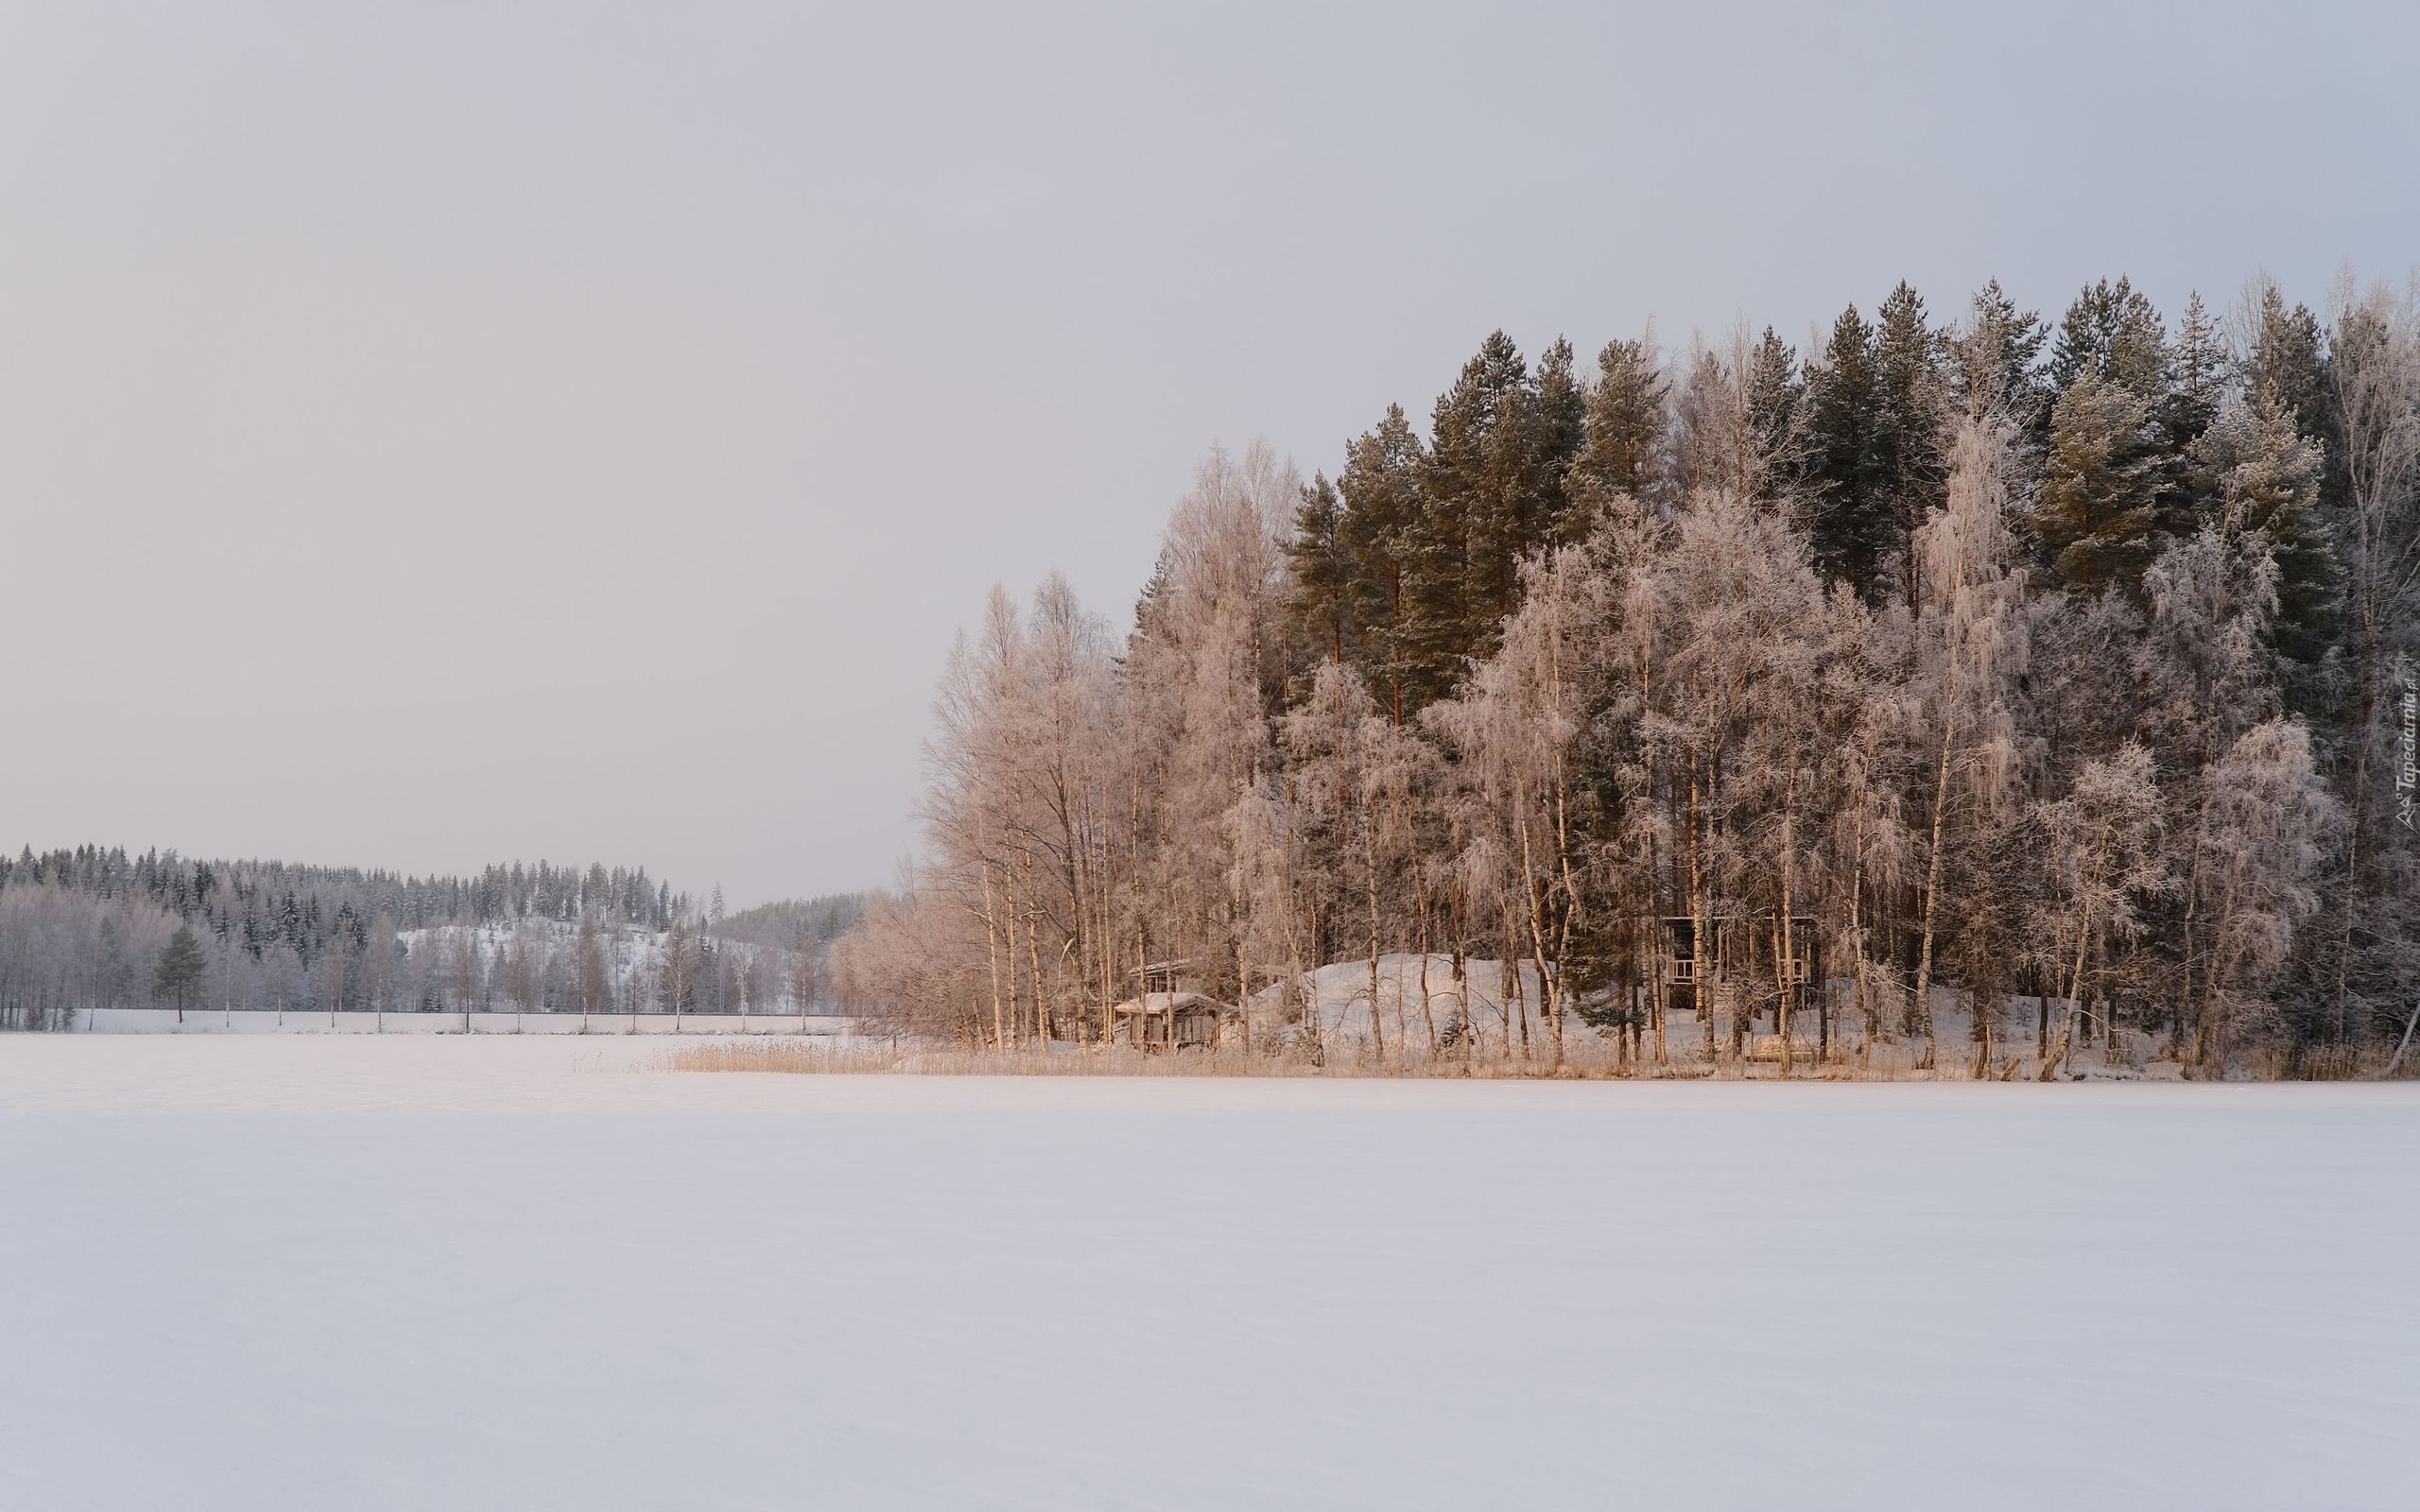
pixel 1728 939
pixel 1170 1021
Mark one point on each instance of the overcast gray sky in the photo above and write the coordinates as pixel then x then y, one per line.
pixel 438 433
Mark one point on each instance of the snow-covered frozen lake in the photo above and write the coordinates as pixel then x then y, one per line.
pixel 268 1273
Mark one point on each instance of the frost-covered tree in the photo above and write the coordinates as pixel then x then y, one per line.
pixel 1736 424
pixel 2102 855
pixel 1994 365
pixel 1514 732
pixel 1970 647
pixel 2260 848
pixel 2265 478
pixel 2373 398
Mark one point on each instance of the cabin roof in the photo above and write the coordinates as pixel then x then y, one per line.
pixel 1154 1003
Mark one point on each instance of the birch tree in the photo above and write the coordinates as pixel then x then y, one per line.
pixel 2260 850
pixel 2104 859
pixel 1970 647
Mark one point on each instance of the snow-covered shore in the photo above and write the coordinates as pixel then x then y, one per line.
pixel 270 1271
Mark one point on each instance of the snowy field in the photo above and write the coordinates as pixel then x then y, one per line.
pixel 267 1272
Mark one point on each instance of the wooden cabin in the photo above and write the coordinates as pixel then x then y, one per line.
pixel 1163 976
pixel 1170 1021
pixel 1674 968
pixel 1734 942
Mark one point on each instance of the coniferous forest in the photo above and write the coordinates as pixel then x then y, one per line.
pixel 1984 691
pixel 99 928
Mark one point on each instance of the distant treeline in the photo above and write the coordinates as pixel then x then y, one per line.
pixel 92 927
pixel 782 925
pixel 261 903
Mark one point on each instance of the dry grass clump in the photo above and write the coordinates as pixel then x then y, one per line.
pixel 908 1057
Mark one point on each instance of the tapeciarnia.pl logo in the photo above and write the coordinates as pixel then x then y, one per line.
pixel 2407 771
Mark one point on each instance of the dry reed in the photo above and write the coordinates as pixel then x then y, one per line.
pixel 1587 1062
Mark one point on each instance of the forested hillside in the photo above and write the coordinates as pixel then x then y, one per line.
pixel 95 928
pixel 2048 677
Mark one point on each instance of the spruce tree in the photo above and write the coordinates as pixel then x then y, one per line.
pixel 1467 561
pixel 1849 528
pixel 2113 332
pixel 2199 369
pixel 182 968
pixel 1996 363
pixel 2288 363
pixel 1775 392
pixel 1907 465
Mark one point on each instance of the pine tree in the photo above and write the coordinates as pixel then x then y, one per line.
pixel 1460 579
pixel 1383 536
pixel 1624 422
pixel 182 968
pixel 1501 444
pixel 1558 432
pixel 2099 482
pixel 1323 570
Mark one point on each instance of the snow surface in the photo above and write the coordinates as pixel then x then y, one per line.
pixel 312 1272
pixel 1340 992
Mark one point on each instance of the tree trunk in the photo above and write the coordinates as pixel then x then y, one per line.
pixel 2052 1059
pixel 1549 993
pixel 2395 1061
pixel 1921 1005
pixel 1419 903
pixel 1700 963
pixel 1788 964
pixel 991 949
pixel 1369 892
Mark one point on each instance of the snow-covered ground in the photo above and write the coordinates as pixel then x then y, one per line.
pixel 309 1272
